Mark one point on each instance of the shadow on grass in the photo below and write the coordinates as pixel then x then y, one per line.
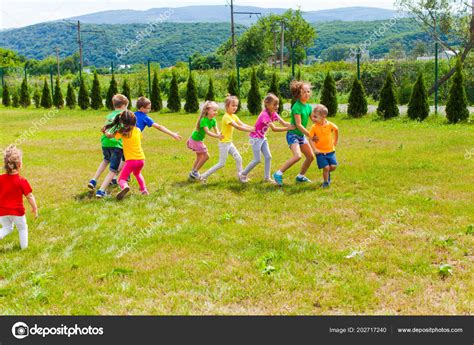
pixel 87 195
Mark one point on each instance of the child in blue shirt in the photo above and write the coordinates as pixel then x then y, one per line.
pixel 143 120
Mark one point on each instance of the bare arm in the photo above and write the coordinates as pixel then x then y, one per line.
pixel 300 126
pixel 242 126
pixel 165 130
pixel 336 136
pixel 286 124
pixel 217 134
pixel 34 208
pixel 280 129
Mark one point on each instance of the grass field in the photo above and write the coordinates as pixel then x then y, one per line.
pixel 400 206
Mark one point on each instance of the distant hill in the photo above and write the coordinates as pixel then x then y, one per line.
pixel 214 14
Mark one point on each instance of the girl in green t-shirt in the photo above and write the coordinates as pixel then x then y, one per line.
pixel 205 123
pixel 300 113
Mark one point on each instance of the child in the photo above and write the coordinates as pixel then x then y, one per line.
pixel 143 120
pixel 296 139
pixel 325 145
pixel 111 149
pixel 12 189
pixel 124 127
pixel 229 122
pixel 205 123
pixel 258 138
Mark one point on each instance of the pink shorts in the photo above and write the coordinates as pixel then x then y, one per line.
pixel 196 146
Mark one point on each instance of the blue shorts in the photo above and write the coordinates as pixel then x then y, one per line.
pixel 325 159
pixel 114 156
pixel 292 138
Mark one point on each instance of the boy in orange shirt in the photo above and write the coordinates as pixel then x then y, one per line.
pixel 323 139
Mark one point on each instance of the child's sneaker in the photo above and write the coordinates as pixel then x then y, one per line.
pixel 92 183
pixel 113 182
pixel 100 194
pixel 243 178
pixel 302 179
pixel 123 192
pixel 325 185
pixel 270 181
pixel 202 179
pixel 194 175
pixel 145 192
pixel 278 179
pixel 329 178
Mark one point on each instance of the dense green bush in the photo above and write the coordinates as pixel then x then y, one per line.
pixel 418 107
pixel 456 107
pixel 388 103
pixel 328 95
pixel 357 106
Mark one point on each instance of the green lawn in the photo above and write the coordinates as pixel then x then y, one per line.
pixel 403 196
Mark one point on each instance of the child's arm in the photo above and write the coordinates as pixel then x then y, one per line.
pixel 300 126
pixel 313 146
pixel 165 130
pixel 336 136
pixel 242 126
pixel 285 123
pixel 107 133
pixel 217 134
pixel 34 208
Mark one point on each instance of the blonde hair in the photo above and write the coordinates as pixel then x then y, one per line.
pixel 143 102
pixel 229 100
pixel 12 157
pixel 296 87
pixel 320 109
pixel 205 110
pixel 119 101
pixel 270 99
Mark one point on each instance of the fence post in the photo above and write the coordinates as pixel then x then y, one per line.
pixel 436 79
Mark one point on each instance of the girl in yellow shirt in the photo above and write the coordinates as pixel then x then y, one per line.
pixel 124 127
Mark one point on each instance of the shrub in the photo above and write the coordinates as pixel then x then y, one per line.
pixel 418 108
pixel 210 91
pixel 70 97
pixel 111 92
pixel 329 95
pixel 155 95
pixel 46 101
pixel 126 92
pixel 83 97
pixel 456 107
pixel 96 96
pixel 388 103
pixel 25 100
pixel 275 90
pixel 58 99
pixel 357 106
pixel 254 99
pixel 6 100
pixel 192 103
pixel 174 102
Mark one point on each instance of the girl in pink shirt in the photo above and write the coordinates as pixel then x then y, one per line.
pixel 258 139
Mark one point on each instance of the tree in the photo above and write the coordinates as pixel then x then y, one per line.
pixel 299 34
pixel 329 95
pixel 388 102
pixel 25 100
pixel 298 75
pixel 15 99
pixel 336 52
pixel 396 52
pixel 192 103
pixel 126 92
pixel 70 97
pixel 83 97
pixel 254 99
pixel 111 92
pixel 46 101
pixel 140 92
pixel 58 99
pixel 357 106
pixel 456 107
pixel 276 91
pixel 37 97
pixel 419 49
pixel 233 88
pixel 155 97
pixel 210 91
pixel 418 108
pixel 96 96
pixel 448 22
pixel 174 102
pixel 6 101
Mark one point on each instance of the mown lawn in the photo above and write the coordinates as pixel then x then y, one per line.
pixel 401 204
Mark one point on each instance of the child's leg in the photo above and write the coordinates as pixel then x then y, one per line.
pixel 201 158
pixel 256 146
pixel 268 158
pixel 100 169
pixel 326 173
pixel 125 174
pixel 295 149
pixel 22 227
pixel 238 158
pixel 137 172
pixel 115 163
pixel 308 152
pixel 7 226
pixel 223 152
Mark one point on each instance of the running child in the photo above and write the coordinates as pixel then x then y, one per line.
pixel 12 188
pixel 206 124
pixel 296 138
pixel 111 149
pixel 258 138
pixel 143 120
pixel 226 147
pixel 124 127
pixel 323 138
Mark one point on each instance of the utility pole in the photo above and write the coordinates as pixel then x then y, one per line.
pixel 282 45
pixel 275 47
pixel 232 24
pixel 57 61
pixel 79 42
pixel 436 67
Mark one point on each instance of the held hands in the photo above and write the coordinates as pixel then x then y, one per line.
pixel 220 136
pixel 315 138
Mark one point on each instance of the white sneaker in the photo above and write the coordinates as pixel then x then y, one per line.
pixel 243 178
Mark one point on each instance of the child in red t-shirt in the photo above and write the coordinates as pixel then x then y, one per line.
pixel 12 189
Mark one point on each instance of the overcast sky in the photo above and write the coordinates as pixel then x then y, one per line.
pixel 17 13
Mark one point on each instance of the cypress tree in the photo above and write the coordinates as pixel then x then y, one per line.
pixel 418 108
pixel 111 92
pixel 25 100
pixel 233 88
pixel 275 90
pixel 37 97
pixel 58 99
pixel 192 102
pixel 126 92
pixel 46 101
pixel 357 106
pixel 70 97
pixel 15 99
pixel 329 95
pixel 83 97
pixel 298 74
pixel 155 96
pixel 456 107
pixel 6 100
pixel 96 96
pixel 254 99
pixel 210 91
pixel 140 92
pixel 388 102
pixel 174 102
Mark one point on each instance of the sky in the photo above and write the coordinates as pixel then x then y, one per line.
pixel 18 13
